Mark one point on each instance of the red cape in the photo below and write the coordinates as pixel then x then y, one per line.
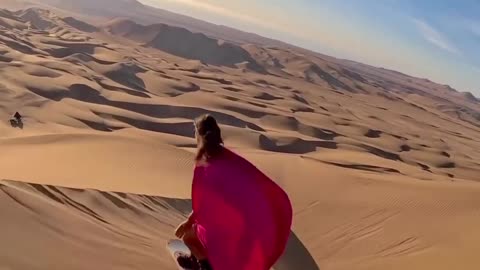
pixel 243 218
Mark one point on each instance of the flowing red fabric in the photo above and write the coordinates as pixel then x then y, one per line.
pixel 242 217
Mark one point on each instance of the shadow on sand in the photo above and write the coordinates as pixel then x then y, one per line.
pixel 296 256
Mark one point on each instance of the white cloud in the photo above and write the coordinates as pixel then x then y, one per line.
pixel 435 37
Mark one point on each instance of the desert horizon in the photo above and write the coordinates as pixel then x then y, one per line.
pixel 382 167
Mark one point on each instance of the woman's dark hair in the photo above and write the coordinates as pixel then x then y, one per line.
pixel 210 138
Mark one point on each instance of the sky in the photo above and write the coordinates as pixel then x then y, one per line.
pixel 434 39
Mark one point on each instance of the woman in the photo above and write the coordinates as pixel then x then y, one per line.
pixel 241 219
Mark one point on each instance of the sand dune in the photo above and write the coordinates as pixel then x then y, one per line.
pixel 38 18
pixel 183 43
pixel 82 26
pixel 10 22
pixel 100 171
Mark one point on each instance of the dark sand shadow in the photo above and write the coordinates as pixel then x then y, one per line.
pixel 296 256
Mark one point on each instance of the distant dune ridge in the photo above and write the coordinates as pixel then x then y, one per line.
pixel 82 26
pixel 99 174
pixel 183 43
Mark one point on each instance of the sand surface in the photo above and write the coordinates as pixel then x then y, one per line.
pixel 382 168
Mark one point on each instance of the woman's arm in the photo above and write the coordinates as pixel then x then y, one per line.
pixel 186 225
pixel 191 219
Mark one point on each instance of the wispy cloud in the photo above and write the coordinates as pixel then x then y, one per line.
pixel 220 10
pixel 472 26
pixel 435 37
pixel 213 8
pixel 475 27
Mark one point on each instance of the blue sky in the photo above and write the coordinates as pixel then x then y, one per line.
pixel 435 39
